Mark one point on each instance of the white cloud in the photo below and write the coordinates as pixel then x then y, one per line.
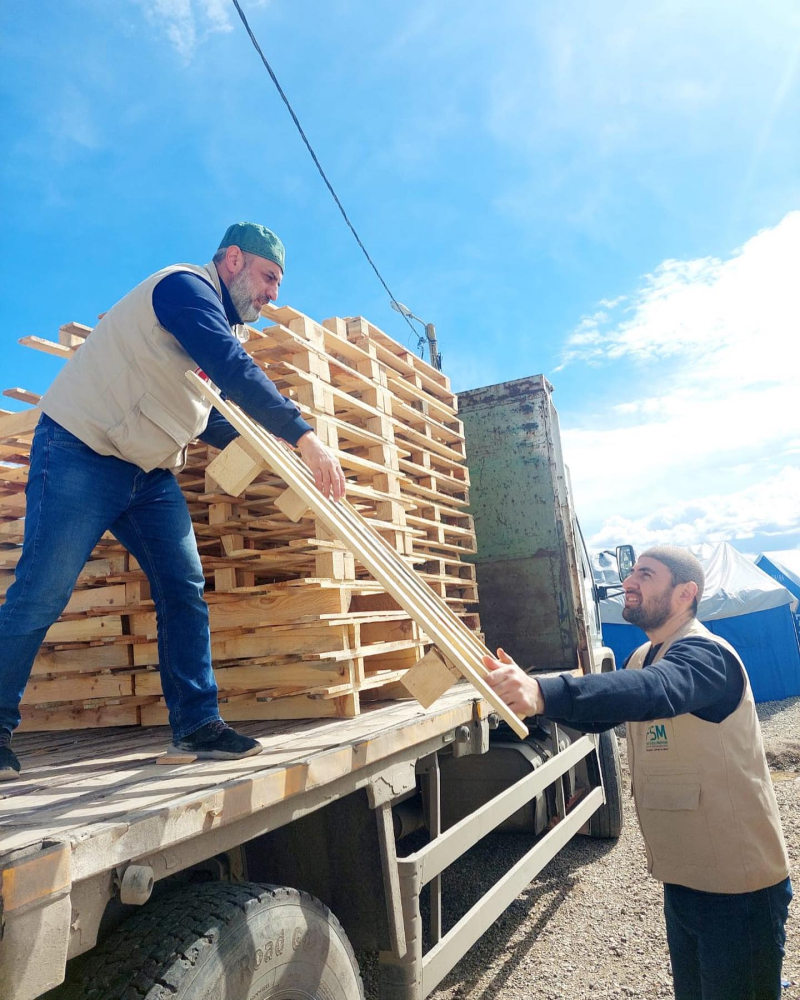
pixel 176 19
pixel 713 409
pixel 734 317
pixel 767 508
pixel 187 23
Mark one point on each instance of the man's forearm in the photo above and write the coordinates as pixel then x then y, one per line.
pixel 620 696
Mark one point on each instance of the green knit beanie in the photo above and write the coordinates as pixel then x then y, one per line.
pixel 252 238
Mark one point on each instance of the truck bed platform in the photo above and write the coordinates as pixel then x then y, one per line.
pixel 103 792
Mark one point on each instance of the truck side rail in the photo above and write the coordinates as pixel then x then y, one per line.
pixel 412 975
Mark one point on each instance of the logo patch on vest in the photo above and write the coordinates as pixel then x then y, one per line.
pixel 655 738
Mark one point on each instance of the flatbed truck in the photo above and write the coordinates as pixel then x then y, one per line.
pixel 122 877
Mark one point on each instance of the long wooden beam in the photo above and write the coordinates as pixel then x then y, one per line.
pixel 449 634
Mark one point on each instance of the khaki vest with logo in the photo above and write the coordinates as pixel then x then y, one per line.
pixel 703 793
pixel 124 392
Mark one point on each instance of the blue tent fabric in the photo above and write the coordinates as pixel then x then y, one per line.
pixel 783 567
pixel 767 644
pixel 622 640
pixel 765 640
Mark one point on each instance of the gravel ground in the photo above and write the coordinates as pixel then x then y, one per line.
pixel 591 924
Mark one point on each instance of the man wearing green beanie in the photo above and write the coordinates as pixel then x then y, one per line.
pixel 114 432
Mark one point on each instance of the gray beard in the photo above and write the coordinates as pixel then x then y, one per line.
pixel 649 619
pixel 242 295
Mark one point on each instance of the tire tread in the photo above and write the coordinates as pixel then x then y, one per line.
pixel 127 964
pixel 606 824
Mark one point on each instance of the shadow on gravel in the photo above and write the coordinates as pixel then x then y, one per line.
pixel 477 872
pixel 503 931
pixel 464 883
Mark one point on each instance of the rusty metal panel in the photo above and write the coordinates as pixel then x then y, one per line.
pixel 518 480
pixel 35 916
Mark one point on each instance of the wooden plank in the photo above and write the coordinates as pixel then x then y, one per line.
pixel 23 395
pixel 85 629
pixel 15 424
pixel 250 677
pixel 74 717
pixel 40 344
pixel 96 598
pixel 235 467
pixel 276 608
pixel 301 707
pixel 454 640
pixel 280 640
pixel 77 688
pixel 13 474
pixel 170 759
pixel 429 678
pixel 92 658
pixel 12 504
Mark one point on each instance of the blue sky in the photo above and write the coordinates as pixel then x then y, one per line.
pixel 603 191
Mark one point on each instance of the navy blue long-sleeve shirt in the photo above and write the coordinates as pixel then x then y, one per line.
pixel 697 676
pixel 190 309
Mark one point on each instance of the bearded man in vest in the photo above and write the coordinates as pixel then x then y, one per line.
pixel 701 786
pixel 114 431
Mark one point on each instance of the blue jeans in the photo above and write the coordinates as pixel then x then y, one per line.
pixel 73 496
pixel 727 947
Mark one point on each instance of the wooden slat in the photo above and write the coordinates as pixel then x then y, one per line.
pixel 454 640
pixel 48 346
pixel 23 395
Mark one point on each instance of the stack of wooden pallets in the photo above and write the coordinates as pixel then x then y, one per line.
pixel 299 628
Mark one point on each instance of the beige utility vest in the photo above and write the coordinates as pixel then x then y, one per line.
pixel 124 392
pixel 703 793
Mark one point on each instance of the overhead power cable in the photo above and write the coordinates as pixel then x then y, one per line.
pixel 318 165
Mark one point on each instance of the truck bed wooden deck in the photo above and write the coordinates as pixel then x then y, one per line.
pixel 103 792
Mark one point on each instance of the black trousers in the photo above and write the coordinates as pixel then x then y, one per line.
pixel 727 947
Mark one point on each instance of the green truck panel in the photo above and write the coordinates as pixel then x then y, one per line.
pixel 518 498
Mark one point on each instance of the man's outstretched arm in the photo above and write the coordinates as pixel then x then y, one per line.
pixel 696 676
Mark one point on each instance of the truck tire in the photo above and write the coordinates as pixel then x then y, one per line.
pixel 237 941
pixel 607 821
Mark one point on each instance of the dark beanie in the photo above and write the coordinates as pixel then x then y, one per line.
pixel 685 567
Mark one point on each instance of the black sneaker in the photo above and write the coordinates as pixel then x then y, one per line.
pixel 9 765
pixel 216 741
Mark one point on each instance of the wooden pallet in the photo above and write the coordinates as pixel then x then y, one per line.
pixel 391 419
